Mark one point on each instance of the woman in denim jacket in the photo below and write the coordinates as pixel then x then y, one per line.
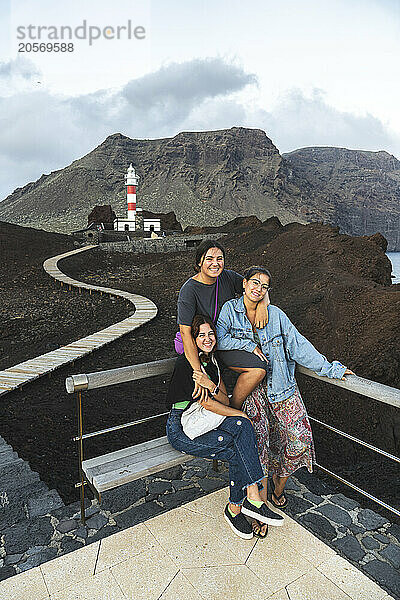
pixel 276 408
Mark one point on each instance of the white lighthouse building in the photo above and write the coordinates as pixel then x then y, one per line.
pixel 134 222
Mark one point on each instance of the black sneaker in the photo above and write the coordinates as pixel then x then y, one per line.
pixel 263 514
pixel 239 524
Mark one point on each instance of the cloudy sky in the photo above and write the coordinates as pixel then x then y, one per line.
pixel 309 72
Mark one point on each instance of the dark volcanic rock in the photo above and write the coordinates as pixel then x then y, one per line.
pixel 103 214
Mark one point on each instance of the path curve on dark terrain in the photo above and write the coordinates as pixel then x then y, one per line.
pixel 22 373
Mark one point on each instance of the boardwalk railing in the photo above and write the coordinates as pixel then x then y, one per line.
pixel 371 389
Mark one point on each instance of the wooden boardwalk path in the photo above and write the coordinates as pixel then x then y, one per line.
pixel 25 372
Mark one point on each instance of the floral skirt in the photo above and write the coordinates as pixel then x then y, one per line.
pixel 283 432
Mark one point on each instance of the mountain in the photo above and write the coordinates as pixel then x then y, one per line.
pixel 357 190
pixel 208 178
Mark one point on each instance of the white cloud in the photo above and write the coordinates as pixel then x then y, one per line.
pixel 41 131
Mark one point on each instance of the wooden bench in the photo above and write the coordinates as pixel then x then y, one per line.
pixel 122 466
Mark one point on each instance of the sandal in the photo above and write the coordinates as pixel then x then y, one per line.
pixel 256 526
pixel 273 495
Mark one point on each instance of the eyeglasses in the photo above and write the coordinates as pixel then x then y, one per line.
pixel 256 283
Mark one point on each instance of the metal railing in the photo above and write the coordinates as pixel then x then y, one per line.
pixel 78 383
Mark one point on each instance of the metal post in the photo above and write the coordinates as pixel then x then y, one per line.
pixel 80 453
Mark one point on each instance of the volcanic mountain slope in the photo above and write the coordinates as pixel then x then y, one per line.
pixel 205 178
pixel 358 191
pixel 209 177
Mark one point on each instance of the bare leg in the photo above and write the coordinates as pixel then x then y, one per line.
pixel 279 483
pixel 247 381
pixel 261 528
pixel 253 493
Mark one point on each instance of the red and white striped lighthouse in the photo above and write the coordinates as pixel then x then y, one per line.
pixel 131 180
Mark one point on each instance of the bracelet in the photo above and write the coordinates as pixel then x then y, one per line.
pixel 215 391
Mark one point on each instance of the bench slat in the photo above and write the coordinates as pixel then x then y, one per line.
pixel 130 451
pixel 120 467
pixel 134 458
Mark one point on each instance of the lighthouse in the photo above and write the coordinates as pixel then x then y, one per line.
pixel 131 180
pixel 135 221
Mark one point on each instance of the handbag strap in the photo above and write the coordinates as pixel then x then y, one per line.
pixel 216 301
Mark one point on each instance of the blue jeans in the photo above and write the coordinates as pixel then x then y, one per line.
pixel 233 441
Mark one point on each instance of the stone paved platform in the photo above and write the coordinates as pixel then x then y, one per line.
pixel 190 553
pixel 364 538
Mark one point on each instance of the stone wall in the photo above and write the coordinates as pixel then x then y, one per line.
pixel 173 243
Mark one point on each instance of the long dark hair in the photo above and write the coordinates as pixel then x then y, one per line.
pixel 257 269
pixel 199 320
pixel 203 247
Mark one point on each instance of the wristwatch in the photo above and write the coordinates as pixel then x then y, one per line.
pixel 215 391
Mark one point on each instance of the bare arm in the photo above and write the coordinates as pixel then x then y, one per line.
pixel 218 403
pixel 192 354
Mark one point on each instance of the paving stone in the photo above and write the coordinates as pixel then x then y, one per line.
pixel 181 497
pixel 178 484
pixel 392 554
pixel 67 512
pixel 22 536
pixel 297 505
pixel 335 514
pixel 350 547
pixel 12 513
pixel 96 522
pixel 12 559
pixel 356 529
pixel 370 519
pixel 198 462
pixel 135 515
pixel 104 532
pixel 68 544
pixel 318 525
pixel 209 485
pixel 190 473
pixel 381 538
pixel 81 532
pixel 124 496
pixel 41 505
pixel 312 483
pixel 394 530
pixel 384 574
pixel 66 526
pixel 313 498
pixel 160 487
pixel 89 512
pixel 370 543
pixel 292 484
pixel 6 572
pixel 171 473
pixel 34 550
pixel 151 497
pixel 37 559
pixel 343 501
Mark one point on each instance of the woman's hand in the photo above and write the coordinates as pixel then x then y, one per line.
pixel 202 385
pixel 201 379
pixel 260 355
pixel 347 372
pixel 261 318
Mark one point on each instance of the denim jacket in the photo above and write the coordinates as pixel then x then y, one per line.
pixel 281 344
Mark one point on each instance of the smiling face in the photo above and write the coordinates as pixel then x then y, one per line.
pixel 256 287
pixel 205 340
pixel 212 263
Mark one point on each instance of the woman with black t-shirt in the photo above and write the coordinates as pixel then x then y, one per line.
pixel 204 294
pixel 233 440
